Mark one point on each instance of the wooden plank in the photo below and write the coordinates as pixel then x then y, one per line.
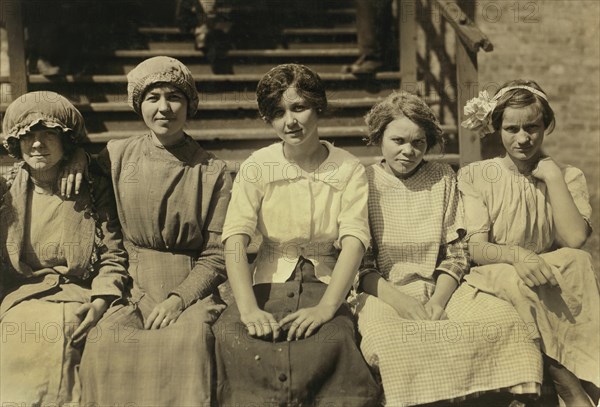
pixel 199 78
pixel 464 27
pixel 107 107
pixel 250 53
pixel 320 31
pixel 407 23
pixel 16 47
pixel 234 165
pixel 467 83
pixel 252 9
pixel 174 31
pixel 248 134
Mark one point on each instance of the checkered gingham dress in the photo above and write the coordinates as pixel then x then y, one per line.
pixel 482 346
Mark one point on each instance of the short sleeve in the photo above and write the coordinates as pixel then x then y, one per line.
pixel 454 223
pixel 577 186
pixel 353 219
pixel 476 214
pixel 246 199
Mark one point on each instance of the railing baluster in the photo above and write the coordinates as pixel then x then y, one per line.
pixel 16 47
pixel 467 83
pixel 407 29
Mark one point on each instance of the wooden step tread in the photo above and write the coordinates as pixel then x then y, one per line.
pixel 320 31
pixel 6 162
pixel 253 8
pixel 236 53
pixel 232 134
pixel 97 107
pixel 200 78
pixel 285 31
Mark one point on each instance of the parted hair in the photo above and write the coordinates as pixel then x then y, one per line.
pixel 519 98
pixel 308 85
pixel 403 104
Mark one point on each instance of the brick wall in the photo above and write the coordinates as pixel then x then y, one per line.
pixel 556 43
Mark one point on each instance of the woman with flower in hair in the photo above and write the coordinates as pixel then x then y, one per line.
pixel 430 337
pixel 290 339
pixel 171 198
pixel 62 261
pixel 527 217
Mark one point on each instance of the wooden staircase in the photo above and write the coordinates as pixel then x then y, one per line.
pixel 320 35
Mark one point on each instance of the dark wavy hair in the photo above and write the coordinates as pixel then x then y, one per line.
pixel 13 145
pixel 403 104
pixel 271 87
pixel 519 98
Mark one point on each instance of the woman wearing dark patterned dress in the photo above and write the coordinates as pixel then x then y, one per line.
pixel 171 198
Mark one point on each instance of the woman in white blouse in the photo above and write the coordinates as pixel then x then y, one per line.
pixel 291 337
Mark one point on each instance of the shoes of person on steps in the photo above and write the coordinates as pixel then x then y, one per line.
pixel 366 65
pixel 202 37
pixel 46 68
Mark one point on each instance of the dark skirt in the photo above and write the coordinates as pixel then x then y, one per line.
pixel 326 369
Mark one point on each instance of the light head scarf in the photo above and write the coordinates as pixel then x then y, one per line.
pixel 161 70
pixel 45 108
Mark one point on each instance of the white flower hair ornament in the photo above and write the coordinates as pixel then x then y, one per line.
pixel 478 111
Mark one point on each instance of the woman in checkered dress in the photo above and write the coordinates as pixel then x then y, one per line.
pixel 527 217
pixel 429 337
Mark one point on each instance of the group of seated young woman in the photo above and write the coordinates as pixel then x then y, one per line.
pixel 398 284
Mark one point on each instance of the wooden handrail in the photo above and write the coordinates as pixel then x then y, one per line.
pixel 469 40
pixel 473 38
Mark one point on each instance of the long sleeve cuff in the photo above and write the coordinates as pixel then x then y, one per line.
pixel 108 285
pixel 207 274
pixel 203 286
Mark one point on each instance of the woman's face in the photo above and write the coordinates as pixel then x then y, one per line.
pixel 403 146
pixel 522 132
pixel 164 109
pixel 42 149
pixel 295 122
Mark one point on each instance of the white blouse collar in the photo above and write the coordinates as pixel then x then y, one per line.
pixel 335 171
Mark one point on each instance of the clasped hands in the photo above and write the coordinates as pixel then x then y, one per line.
pixel 302 323
pixel 409 308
